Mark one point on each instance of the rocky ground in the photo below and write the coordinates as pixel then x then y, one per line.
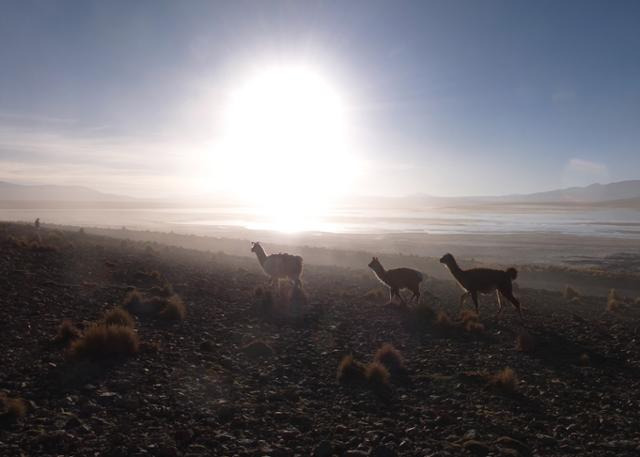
pixel 196 387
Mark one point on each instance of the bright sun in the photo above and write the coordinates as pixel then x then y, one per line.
pixel 286 146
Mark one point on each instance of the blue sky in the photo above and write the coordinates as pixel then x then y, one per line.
pixel 445 97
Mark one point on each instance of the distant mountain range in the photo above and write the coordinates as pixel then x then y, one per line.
pixel 19 192
pixel 623 193
pixel 593 193
pixel 626 193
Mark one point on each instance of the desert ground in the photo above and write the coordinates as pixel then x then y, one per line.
pixel 247 371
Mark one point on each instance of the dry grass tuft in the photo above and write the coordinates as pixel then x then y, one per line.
pixel 390 357
pixel 11 409
pixel 165 291
pixel 377 375
pixel 102 341
pixel 350 371
pixel 118 316
pixel 133 299
pixel 525 342
pixel 424 313
pixel 576 301
pixel 258 349
pixel 378 379
pixel 375 295
pixel 468 315
pixel 174 309
pixel 67 332
pixel 584 360
pixel 471 322
pixel 614 301
pixel 570 293
pixel 473 327
pixel 504 381
pixel 17 242
pixel 170 308
pixel 444 323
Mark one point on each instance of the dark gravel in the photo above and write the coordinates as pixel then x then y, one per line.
pixel 235 378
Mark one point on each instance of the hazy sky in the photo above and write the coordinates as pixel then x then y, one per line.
pixel 442 97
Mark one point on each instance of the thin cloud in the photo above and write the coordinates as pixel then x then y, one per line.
pixel 587 166
pixel 125 165
pixel 582 172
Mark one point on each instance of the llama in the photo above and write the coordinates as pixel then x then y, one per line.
pixel 484 281
pixel 279 266
pixel 398 278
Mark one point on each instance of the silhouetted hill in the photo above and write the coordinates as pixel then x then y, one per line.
pixel 18 192
pixel 623 194
pixel 593 193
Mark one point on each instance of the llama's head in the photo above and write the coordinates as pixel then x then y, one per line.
pixel 447 259
pixel 375 263
pixel 255 246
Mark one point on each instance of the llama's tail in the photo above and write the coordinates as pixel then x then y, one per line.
pixel 512 273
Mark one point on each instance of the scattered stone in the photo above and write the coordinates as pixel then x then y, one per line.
pixel 508 442
pixel 383 451
pixel 476 447
pixel 323 449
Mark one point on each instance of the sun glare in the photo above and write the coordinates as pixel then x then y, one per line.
pixel 286 146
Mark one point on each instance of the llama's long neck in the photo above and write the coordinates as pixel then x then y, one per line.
pixel 262 256
pixel 456 271
pixel 380 272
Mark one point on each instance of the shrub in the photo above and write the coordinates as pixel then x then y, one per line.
pixel 102 341
pixel 390 357
pixel 505 381
pixel 525 342
pixel 11 409
pixel 67 332
pixel 350 371
pixel 377 375
pixel 570 292
pixel 118 316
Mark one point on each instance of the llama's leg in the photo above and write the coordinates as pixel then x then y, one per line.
pixel 391 296
pixel 416 293
pixel 499 303
pixel 397 294
pixel 463 297
pixel 515 303
pixel 507 291
pixel 474 297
